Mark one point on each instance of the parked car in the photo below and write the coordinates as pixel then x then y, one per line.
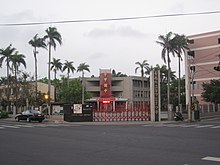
pixel 30 115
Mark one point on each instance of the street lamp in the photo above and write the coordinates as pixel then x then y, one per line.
pixel 46 97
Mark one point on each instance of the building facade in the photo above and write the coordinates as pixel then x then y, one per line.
pixel 202 58
pixel 123 89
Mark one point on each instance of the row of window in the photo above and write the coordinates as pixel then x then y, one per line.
pixel 139 94
pixel 138 83
pixel 192 41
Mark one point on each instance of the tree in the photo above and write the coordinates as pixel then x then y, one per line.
pixel 36 43
pixel 211 92
pixel 56 65
pixel 5 56
pixel 70 68
pixel 168 47
pixel 52 36
pixel 181 45
pixel 16 60
pixel 72 93
pixel 163 84
pixel 81 68
pixel 118 74
pixel 142 67
pixel 164 73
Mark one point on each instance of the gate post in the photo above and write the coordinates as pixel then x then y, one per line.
pixel 155 105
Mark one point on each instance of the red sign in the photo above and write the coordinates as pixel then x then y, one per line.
pixel 105 83
pixel 107 99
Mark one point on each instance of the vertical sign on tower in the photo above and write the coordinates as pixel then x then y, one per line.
pixel 105 83
pixel 155 95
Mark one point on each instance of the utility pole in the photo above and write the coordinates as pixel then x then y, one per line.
pixel 188 87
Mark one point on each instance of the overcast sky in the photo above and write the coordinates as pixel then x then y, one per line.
pixel 103 45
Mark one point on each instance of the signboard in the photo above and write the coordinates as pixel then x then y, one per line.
pixel 105 83
pixel 155 95
pixel 77 108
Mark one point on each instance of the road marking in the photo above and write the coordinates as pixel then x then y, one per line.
pixel 148 125
pixel 191 125
pixel 172 125
pixel 53 125
pixel 40 125
pixel 28 126
pixel 215 159
pixel 9 126
pixel 1 127
pixel 216 127
pixel 204 126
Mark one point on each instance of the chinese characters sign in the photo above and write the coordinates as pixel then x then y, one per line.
pixel 105 83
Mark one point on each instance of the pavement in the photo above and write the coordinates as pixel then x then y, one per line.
pixel 60 119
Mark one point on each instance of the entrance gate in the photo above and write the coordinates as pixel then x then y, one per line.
pixel 122 114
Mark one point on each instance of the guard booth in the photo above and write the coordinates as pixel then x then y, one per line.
pixel 78 113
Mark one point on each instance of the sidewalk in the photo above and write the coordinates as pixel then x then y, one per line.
pixel 60 119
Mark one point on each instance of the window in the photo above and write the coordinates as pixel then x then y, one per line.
pixel 191 53
pixel 192 68
pixel 218 40
pixel 191 41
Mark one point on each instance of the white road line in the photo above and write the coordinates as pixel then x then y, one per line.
pixel 148 125
pixel 204 126
pixel 191 125
pixel 172 125
pixel 215 159
pixel 9 126
pixel 28 126
pixel 40 125
pixel 53 125
pixel 216 127
pixel 1 127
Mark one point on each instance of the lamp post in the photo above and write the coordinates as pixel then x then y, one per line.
pixel 46 97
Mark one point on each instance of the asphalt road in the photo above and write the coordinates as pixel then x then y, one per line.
pixel 114 144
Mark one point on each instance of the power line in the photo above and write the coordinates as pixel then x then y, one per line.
pixel 108 19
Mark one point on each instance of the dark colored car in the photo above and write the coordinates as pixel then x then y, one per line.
pixel 30 115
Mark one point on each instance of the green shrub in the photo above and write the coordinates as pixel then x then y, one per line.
pixel 3 114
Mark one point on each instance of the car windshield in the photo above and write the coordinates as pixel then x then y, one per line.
pixel 34 111
pixel 31 112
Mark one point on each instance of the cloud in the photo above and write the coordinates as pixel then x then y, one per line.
pixel 125 31
pixel 97 56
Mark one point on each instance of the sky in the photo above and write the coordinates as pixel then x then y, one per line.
pixel 103 45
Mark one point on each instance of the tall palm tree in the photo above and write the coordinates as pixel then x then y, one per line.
pixel 5 56
pixel 144 66
pixel 52 36
pixel 56 65
pixel 81 68
pixel 70 68
pixel 36 43
pixel 16 60
pixel 167 44
pixel 181 45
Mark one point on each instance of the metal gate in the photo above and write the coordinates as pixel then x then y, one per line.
pixel 122 114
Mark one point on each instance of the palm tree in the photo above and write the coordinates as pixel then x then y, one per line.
pixel 36 43
pixel 118 74
pixel 70 68
pixel 181 45
pixel 142 66
pixel 168 47
pixel 56 65
pixel 81 68
pixel 16 60
pixel 52 36
pixel 5 56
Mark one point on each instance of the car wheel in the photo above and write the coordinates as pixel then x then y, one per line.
pixel 18 119
pixel 40 121
pixel 28 120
